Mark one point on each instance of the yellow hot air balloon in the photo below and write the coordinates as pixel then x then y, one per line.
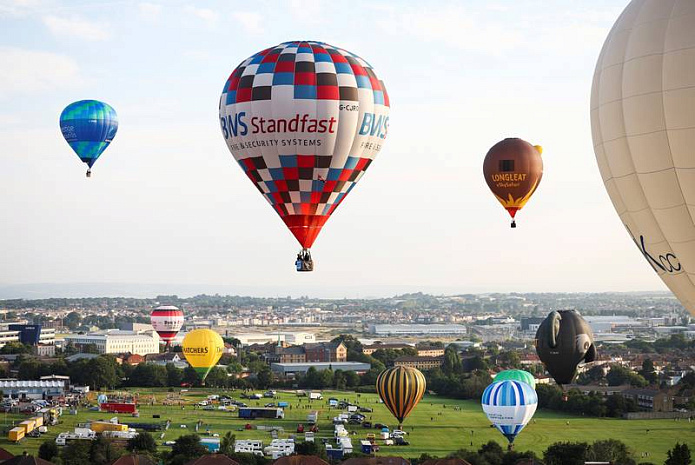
pixel 401 388
pixel 203 349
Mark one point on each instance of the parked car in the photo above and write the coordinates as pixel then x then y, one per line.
pixel 366 409
pixel 400 442
pixel 354 421
pixel 366 424
pixel 380 426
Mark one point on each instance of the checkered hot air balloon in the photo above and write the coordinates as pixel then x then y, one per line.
pixel 304 120
pixel 89 126
pixel 167 320
pixel 509 405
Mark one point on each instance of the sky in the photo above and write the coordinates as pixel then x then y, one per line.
pixel 169 210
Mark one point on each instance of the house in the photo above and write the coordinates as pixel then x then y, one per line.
pixel 300 460
pixel 213 459
pixel 26 459
pixel 133 359
pixel 325 352
pixel 370 349
pixel 445 462
pixel 430 351
pixel 376 461
pixel 133 459
pixel 291 354
pixel 605 391
pixel 650 400
pixel 163 359
pixel 421 363
pixel 5 455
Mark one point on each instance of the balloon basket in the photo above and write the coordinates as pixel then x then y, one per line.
pixel 304 262
pixel 513 224
pixel 89 173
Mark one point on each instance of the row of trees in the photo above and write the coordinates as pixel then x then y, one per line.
pixel 103 451
pixel 593 404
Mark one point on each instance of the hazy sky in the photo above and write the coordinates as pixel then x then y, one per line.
pixel 167 203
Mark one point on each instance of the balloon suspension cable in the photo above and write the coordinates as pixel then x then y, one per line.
pixel 89 173
pixel 513 223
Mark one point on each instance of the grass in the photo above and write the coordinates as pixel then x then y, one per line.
pixel 435 426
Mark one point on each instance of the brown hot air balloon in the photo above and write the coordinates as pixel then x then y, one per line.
pixel 513 169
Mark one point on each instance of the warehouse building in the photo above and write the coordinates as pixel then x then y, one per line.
pixel 290 369
pixel 416 329
pixel 118 342
pixel 21 389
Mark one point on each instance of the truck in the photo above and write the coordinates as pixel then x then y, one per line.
pixel 101 426
pixel 312 417
pixel 16 434
pixel 251 413
pixel 27 425
pixel 118 407
pixel 315 396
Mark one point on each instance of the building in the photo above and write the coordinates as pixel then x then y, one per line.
pixel 530 324
pixel 605 391
pixel 212 459
pixel 370 349
pixel 421 363
pixel 17 389
pixel 325 352
pixel 416 329
pixel 134 459
pixel 32 335
pixel 382 460
pixel 297 338
pixel 650 400
pixel 170 357
pixel 291 354
pixel 429 351
pixel 290 369
pixel 118 342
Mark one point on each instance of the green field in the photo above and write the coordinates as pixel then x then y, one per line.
pixel 435 427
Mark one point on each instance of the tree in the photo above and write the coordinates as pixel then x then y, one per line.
pixel 226 443
pixel 77 453
pixel 149 375
pixel 48 450
pixel 648 372
pixel 566 453
pixel 217 377
pixel 452 361
pixel 143 443
pixel 174 375
pixel 190 376
pixel 679 455
pixel 610 450
pixel 101 373
pixel 72 320
pixel 15 348
pixel 264 378
pixel 186 448
pixel 104 451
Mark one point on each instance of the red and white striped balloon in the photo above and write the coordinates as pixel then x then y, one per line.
pixel 167 320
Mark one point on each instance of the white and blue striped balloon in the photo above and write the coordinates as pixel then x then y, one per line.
pixel 509 405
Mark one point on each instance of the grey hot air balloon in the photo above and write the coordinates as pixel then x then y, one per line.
pixel 563 341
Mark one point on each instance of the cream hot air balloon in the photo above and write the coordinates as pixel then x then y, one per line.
pixel 643 125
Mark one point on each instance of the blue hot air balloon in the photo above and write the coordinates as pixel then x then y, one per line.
pixel 89 126
pixel 509 405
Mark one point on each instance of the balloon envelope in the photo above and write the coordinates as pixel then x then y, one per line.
pixel 643 128
pixel 564 340
pixel 509 405
pixel 167 320
pixel 89 126
pixel 304 120
pixel 400 388
pixel 513 168
pixel 516 375
pixel 203 349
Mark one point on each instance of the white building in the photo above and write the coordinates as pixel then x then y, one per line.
pixel 418 329
pixel 294 338
pixel 117 342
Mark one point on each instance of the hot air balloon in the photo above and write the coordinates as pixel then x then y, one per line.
pixel 563 341
pixel 516 375
pixel 400 388
pixel 509 405
pixel 643 128
pixel 89 126
pixel 513 169
pixel 304 120
pixel 167 321
pixel 203 349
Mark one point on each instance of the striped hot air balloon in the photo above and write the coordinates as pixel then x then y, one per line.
pixel 401 388
pixel 509 405
pixel 167 320
pixel 516 375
